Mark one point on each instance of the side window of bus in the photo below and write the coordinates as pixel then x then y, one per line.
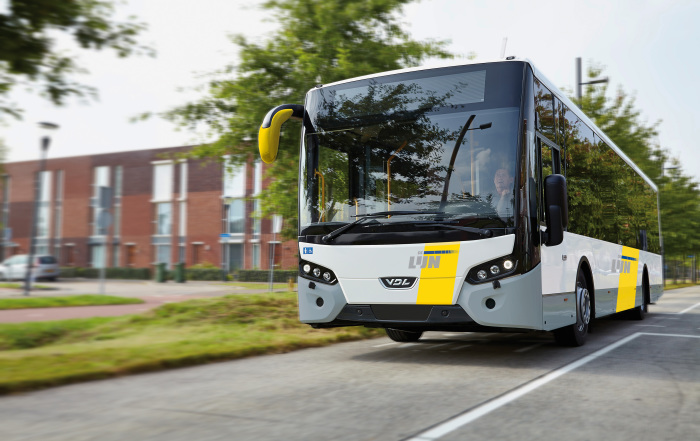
pixel 549 164
pixel 544 109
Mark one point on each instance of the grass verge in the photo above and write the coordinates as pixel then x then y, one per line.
pixel 42 354
pixel 670 286
pixel 12 285
pixel 79 300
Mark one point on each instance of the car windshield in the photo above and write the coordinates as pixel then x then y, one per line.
pixel 440 140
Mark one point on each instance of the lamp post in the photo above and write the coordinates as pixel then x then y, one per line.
pixel 580 83
pixel 663 252
pixel 46 127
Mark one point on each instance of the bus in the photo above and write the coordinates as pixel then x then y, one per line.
pixel 466 198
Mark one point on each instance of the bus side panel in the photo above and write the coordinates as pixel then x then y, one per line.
pixel 654 266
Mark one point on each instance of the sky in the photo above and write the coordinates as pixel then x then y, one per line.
pixel 647 47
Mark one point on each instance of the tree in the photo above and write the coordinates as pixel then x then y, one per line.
pixel 28 53
pixel 318 41
pixel 679 195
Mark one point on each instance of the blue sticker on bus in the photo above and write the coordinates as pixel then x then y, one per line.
pixel 308 250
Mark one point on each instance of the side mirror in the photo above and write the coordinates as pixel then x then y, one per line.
pixel 269 134
pixel 556 208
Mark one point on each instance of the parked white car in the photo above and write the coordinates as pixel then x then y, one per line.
pixel 15 267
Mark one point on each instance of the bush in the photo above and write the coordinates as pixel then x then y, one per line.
pixel 110 273
pixel 280 276
pixel 203 273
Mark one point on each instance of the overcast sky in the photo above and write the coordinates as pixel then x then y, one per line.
pixel 647 46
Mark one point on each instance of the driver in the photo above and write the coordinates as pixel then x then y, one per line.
pixel 504 189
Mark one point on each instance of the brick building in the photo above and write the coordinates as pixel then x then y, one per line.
pixel 159 209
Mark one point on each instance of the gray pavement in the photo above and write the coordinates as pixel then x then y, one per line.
pixel 632 380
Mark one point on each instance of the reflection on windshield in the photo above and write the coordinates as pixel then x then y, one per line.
pixel 398 147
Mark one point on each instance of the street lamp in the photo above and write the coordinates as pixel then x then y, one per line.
pixel 46 128
pixel 580 83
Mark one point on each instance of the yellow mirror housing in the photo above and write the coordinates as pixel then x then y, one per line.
pixel 269 134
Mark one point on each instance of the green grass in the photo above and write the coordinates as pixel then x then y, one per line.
pixel 11 285
pixel 670 286
pixel 79 300
pixel 41 354
pixel 256 285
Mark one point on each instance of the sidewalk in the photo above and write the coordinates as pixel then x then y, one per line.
pixel 154 294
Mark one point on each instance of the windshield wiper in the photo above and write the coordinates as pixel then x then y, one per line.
pixel 479 231
pixel 362 217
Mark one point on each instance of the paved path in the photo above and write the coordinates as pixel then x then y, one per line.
pixel 154 294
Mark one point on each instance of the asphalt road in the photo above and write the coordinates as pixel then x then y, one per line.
pixel 631 381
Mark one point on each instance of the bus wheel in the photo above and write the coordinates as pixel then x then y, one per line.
pixel 403 336
pixel 575 335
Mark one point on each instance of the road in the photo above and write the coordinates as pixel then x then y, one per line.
pixel 632 380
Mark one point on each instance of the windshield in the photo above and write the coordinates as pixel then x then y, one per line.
pixel 442 140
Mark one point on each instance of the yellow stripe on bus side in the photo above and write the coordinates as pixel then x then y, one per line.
pixel 437 278
pixel 627 288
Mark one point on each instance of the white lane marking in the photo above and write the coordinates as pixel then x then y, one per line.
pixel 653 326
pixel 688 309
pixel 384 344
pixel 529 348
pixel 467 346
pixel 408 345
pixel 467 417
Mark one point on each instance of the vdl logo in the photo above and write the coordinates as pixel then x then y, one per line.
pixel 428 259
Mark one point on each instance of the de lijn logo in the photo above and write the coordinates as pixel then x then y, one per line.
pixel 427 259
pixel 622 266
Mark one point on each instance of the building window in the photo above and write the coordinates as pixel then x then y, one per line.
pixel 196 253
pixel 234 181
pixel 234 256
pixel 164 218
pixel 256 256
pixel 257 183
pixel 162 182
pixel 44 213
pixel 117 209
pixel 235 218
pixel 130 255
pixel 163 254
pixel 101 179
pixel 257 219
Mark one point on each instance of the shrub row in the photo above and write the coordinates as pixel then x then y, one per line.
pixel 280 276
pixel 110 273
pixel 264 275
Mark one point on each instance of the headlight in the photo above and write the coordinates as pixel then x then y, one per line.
pixel 316 273
pixel 492 270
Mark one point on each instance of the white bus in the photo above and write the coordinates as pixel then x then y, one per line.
pixel 473 197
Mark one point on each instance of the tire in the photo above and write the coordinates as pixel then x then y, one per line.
pixel 638 312
pixel 575 335
pixel 403 336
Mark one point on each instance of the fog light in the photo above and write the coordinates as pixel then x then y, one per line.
pixel 495 269
pixel 507 264
pixel 317 272
pixel 481 274
pixel 307 268
pixel 327 276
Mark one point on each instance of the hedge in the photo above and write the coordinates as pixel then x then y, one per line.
pixel 110 273
pixel 213 274
pixel 282 276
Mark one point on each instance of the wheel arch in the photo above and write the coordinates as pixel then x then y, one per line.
pixel 584 266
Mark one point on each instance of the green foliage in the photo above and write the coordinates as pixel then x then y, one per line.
pixel 127 273
pixel 679 195
pixel 42 354
pixel 79 300
pixel 203 273
pixel 28 55
pixel 280 276
pixel 319 41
